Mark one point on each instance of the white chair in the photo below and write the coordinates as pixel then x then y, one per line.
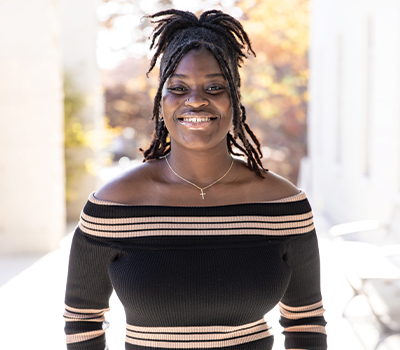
pixel 370 257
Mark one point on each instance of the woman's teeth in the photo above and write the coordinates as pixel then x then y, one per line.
pixel 196 119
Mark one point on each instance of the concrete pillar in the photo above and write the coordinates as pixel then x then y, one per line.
pixel 79 36
pixel 32 202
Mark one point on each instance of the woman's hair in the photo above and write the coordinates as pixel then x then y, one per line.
pixel 178 32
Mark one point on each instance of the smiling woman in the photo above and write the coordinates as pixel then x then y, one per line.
pixel 198 245
pixel 224 38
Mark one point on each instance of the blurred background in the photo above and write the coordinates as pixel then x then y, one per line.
pixel 322 95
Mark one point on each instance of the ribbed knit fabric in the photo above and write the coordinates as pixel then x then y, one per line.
pixel 196 277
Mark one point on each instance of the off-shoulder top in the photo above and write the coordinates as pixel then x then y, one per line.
pixel 196 277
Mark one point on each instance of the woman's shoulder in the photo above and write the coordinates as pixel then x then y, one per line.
pixel 269 187
pixel 131 186
pixel 277 187
pixel 142 184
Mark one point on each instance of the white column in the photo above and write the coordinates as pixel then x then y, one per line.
pixel 354 108
pixel 32 203
pixel 79 40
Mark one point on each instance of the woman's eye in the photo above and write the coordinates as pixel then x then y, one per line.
pixel 177 89
pixel 215 88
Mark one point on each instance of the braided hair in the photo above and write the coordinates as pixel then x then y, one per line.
pixel 178 32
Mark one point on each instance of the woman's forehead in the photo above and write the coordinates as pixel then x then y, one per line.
pixel 199 61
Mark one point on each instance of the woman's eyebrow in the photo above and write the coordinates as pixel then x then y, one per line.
pixel 215 75
pixel 183 76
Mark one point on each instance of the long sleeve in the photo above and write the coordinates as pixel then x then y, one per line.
pixel 301 307
pixel 87 293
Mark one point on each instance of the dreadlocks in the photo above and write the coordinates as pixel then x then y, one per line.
pixel 178 32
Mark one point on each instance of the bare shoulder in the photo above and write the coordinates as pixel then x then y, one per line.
pixel 271 187
pixel 279 186
pixel 130 187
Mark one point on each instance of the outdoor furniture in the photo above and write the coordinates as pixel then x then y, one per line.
pixel 370 258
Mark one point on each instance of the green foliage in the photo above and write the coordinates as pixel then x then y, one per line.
pixel 74 133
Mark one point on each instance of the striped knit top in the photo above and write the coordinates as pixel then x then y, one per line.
pixel 196 277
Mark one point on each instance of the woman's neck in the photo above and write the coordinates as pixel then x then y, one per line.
pixel 201 168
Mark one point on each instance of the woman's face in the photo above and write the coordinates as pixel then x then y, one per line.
pixel 196 103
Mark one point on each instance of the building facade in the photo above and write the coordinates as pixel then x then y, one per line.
pixel 353 168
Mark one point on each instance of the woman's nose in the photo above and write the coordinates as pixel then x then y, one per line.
pixel 196 99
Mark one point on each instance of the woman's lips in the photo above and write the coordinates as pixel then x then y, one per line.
pixel 196 120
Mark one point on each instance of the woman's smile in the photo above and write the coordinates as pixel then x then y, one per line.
pixel 197 121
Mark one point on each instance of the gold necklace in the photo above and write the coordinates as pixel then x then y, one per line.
pixel 202 194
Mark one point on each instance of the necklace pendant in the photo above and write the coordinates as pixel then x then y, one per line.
pixel 202 194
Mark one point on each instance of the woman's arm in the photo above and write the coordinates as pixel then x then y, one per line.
pixel 301 306
pixel 87 293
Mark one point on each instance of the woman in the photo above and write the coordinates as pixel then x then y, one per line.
pixel 198 245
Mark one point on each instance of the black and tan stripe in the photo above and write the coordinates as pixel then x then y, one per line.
pixel 92 315
pixel 159 225
pixel 84 315
pixel 80 337
pixel 295 313
pixel 313 312
pixel 197 337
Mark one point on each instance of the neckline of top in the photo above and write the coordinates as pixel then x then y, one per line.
pixel 295 198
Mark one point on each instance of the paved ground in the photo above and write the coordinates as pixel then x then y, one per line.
pixel 32 293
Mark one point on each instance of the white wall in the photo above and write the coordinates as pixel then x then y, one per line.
pixel 354 111
pixel 79 39
pixel 32 209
